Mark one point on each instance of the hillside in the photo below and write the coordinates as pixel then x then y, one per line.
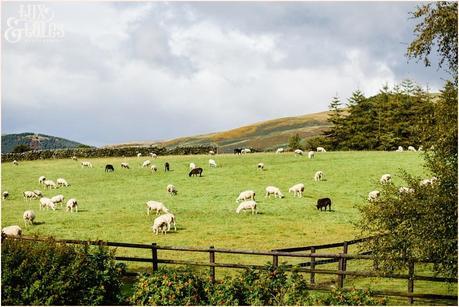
pixel 262 135
pixel 35 141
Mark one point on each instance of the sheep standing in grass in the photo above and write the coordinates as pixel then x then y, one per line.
pixel 156 205
pixel 411 148
pixel 406 190
pixel 420 148
pixel 153 155
pixel 261 166
pixel 5 194
pixel 311 154
pixel 86 164
pixel 125 165
pixel 15 162
pixel 74 158
pixel 212 163
pixel 247 205
pixel 29 217
pixel 163 223
pixel 50 184
pixel 385 179
pixel 192 166
pixel 373 195
pixel 299 152
pixel 47 203
pixel 12 231
pixel 153 168
pixel 72 204
pixel 211 152
pixel 58 199
pixel 139 155
pixel 62 182
pixel 146 163
pixel 41 179
pixel 297 190
pixel 38 193
pixel 171 189
pixel 270 190
pixel 246 151
pixel 246 195
pixel 399 149
pixel 29 195
pixel 280 150
pixel 319 176
pixel 320 149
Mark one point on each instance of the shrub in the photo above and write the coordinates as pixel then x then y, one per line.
pixel 49 273
pixel 353 297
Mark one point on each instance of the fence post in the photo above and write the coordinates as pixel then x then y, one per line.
pixel 410 281
pixel 345 249
pixel 312 279
pixel 275 261
pixel 154 256
pixel 341 269
pixel 212 261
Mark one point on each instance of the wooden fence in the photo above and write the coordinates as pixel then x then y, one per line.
pixel 308 267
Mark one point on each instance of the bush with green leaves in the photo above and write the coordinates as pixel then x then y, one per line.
pixel 50 273
pixel 352 297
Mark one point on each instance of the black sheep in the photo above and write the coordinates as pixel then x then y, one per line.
pixel 237 151
pixel 324 203
pixel 109 168
pixel 166 166
pixel 196 171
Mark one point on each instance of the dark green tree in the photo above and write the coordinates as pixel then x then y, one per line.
pixel 21 148
pixel 294 142
pixel 335 118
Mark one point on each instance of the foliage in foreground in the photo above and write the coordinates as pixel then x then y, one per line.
pixel 252 287
pixel 49 273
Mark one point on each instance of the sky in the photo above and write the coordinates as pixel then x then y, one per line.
pixel 110 72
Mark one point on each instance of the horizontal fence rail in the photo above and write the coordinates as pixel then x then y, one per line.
pixel 296 252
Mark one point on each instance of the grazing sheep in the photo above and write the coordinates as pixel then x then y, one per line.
pixel 420 148
pixel 139 155
pixel 386 179
pixel 15 162
pixel 399 149
pixel 270 190
pixel 72 204
pixel 58 199
pixel 38 193
pixel 192 166
pixel 86 164
pixel 146 163
pixel 166 167
pixel 280 150
pixel 50 184
pixel 5 194
pixel 249 194
pixel 299 152
pixel 156 205
pixel 411 148
pixel 153 168
pixel 324 203
pixel 373 195
pixel 29 195
pixel 74 158
pixel 261 166
pixel 320 149
pixel 311 154
pixel 211 152
pixel 171 189
pixel 109 168
pixel 406 190
pixel 237 151
pixel 247 205
pixel 125 165
pixel 297 190
pixel 163 223
pixel 12 231
pixel 62 182
pixel 319 176
pixel 246 151
pixel 29 217
pixel 153 155
pixel 212 163
pixel 196 172
pixel 47 203
pixel 158 226
pixel 41 179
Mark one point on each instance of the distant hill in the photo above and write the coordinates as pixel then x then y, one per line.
pixel 264 135
pixel 35 141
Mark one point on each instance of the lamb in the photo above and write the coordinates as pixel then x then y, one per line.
pixel 38 193
pixel 109 168
pixel 41 179
pixel 153 155
pixel 399 149
pixel 72 204
pixel 280 150
pixel 153 168
pixel 171 189
pixel 146 163
pixel 324 203
pixel 373 195
pixel 86 164
pixel 212 163
pixel 29 217
pixel 411 148
pixel 12 231
pixel 385 179
pixel 247 205
pixel 156 205
pixel 62 182
pixel 5 194
pixel 299 152
pixel 320 149
pixel 270 190
pixel 15 162
pixel 192 166
pixel 125 165
pixel 29 195
pixel 47 203
pixel 50 184
pixel 406 190
pixel 261 166
pixel 196 172
pixel 58 199
pixel 311 154
pixel 249 194
pixel 319 176
pixel 162 222
pixel 211 152
pixel 297 190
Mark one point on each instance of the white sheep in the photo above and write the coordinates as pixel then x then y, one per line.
pixel 280 150
pixel 212 163
pixel 171 189
pixel 15 162
pixel 13 231
pixel 47 203
pixel 62 182
pixel 153 168
pixel 125 165
pixel 211 152
pixel 261 166
pixel 156 205
pixel 270 190
pixel 86 164
pixel 50 184
pixel 385 179
pixel 420 148
pixel 399 149
pixel 406 190
pixel 249 194
pixel 139 155
pixel 29 217
pixel 192 166
pixel 5 194
pixel 29 195
pixel 41 179
pixel 411 148
pixel 319 176
pixel 299 152
pixel 146 163
pixel 58 199
pixel 320 149
pixel 311 154
pixel 153 155
pixel 297 190
pixel 74 158
pixel 163 223
pixel 373 195
pixel 72 204
pixel 38 193
pixel 247 205
pixel 246 151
